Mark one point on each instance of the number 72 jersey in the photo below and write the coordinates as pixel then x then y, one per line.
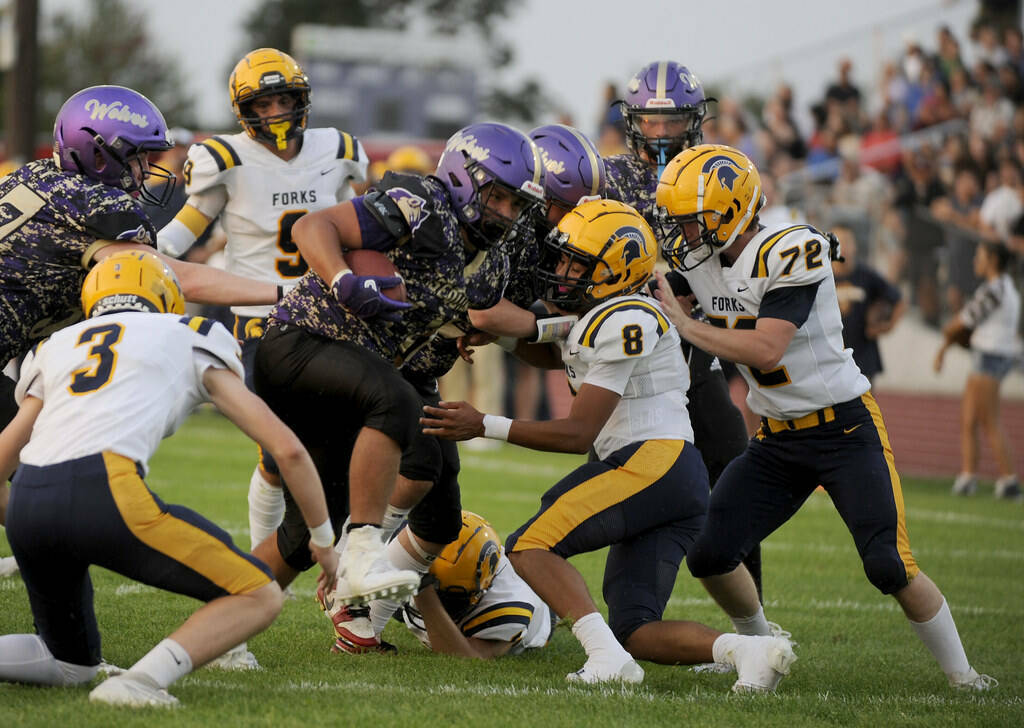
pixel 815 370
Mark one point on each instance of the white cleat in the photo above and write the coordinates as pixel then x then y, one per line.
pixel 108 669
pixel 761 662
pixel 713 668
pixel 365 574
pixel 8 566
pixel 237 658
pixel 972 681
pixel 593 673
pixel 132 691
pixel 965 484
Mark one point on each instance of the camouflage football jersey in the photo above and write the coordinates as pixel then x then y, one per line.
pixel 51 225
pixel 429 254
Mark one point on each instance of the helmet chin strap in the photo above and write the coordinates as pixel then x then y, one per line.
pixel 280 131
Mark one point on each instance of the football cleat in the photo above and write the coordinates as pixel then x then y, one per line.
pixel 761 661
pixel 132 690
pixel 237 658
pixel 972 680
pixel 352 627
pixel 1008 488
pixel 713 668
pixel 8 566
pixel 108 669
pixel 965 484
pixel 593 673
pixel 365 574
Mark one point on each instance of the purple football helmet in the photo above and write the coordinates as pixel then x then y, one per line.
pixel 573 168
pixel 106 133
pixel 477 160
pixel 664 109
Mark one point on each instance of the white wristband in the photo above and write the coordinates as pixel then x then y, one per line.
pixel 342 272
pixel 496 427
pixel 322 536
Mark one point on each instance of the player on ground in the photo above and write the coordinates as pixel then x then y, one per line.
pixel 647 495
pixel 327 363
pixel 771 301
pixel 473 604
pixel 60 216
pixel 95 400
pixel 259 182
pixel 664 110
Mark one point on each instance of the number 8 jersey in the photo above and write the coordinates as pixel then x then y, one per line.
pixel 260 196
pixel 628 346
pixel 773 271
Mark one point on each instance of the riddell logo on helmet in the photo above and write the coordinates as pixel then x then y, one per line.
pixel 117 111
pixel 467 144
pixel 660 104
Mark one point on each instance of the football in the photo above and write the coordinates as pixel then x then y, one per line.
pixel 374 263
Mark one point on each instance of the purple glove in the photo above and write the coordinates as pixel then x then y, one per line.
pixel 362 296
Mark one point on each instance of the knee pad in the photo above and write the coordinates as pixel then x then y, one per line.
pixel 885 569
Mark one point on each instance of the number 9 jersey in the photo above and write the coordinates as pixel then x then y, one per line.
pixel 773 277
pixel 628 346
pixel 259 196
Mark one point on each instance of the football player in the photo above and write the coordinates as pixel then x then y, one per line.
pixel 259 182
pixel 771 303
pixel 647 496
pixel 499 288
pixel 472 603
pixel 663 110
pixel 328 362
pixel 59 216
pixel 95 400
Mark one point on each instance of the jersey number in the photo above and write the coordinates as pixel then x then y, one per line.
pixel 632 340
pixel 812 254
pixel 291 265
pixel 776 377
pixel 96 374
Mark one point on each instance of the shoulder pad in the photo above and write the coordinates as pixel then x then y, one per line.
pixel 206 162
pixel 794 255
pixel 400 203
pixel 215 340
pixel 625 329
pixel 349 146
pixel 503 621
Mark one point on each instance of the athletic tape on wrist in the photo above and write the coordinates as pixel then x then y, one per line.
pixel 496 427
pixel 322 536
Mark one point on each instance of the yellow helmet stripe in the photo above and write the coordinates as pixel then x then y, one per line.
pixel 590 333
pixel 659 92
pixel 591 157
pixel 761 263
pixel 223 154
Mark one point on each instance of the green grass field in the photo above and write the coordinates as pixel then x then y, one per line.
pixel 859 664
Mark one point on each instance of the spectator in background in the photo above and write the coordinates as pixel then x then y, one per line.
pixel 869 304
pixel 987 47
pixel 1002 206
pixel 845 95
pixel 959 213
pixel 947 59
pixel 880 146
pixel 1013 42
pixel 990 322
pixel 962 92
pixel 916 190
pixel 992 114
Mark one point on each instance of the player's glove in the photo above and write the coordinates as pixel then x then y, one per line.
pixel 362 295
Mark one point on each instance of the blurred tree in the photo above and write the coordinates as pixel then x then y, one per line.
pixel 270 25
pixel 107 44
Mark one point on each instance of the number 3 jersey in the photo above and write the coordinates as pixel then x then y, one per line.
pixel 120 382
pixel 777 275
pixel 628 346
pixel 259 196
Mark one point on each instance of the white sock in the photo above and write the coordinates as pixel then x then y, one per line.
pixel 943 641
pixel 393 518
pixel 381 610
pixel 266 508
pixel 599 641
pixel 755 624
pixel 165 663
pixel 25 658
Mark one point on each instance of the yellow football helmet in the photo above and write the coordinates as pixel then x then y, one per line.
pixel 707 197
pixel 466 567
pixel 269 71
pixel 601 249
pixel 132 280
pixel 410 158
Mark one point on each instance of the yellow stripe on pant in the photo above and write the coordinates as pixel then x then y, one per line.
pixel 182 541
pixel 646 466
pixel 902 538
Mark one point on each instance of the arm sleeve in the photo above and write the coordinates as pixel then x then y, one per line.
pixel 375 227
pixel 792 303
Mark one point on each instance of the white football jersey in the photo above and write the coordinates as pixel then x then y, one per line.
pixel 120 382
pixel 510 611
pixel 815 370
pixel 260 196
pixel 628 346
